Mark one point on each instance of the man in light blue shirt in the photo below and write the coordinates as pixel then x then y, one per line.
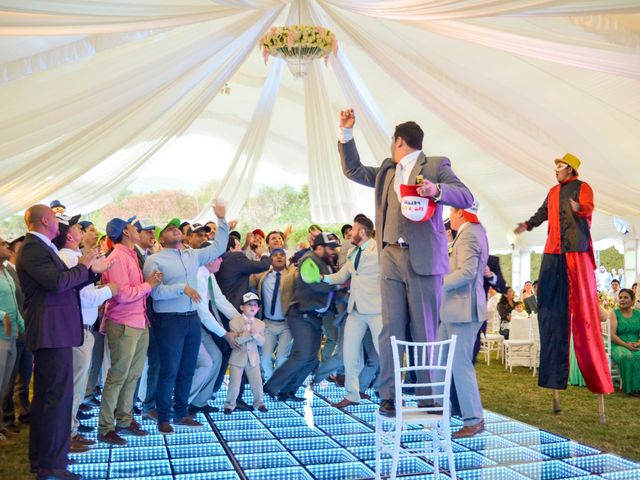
pixel 175 305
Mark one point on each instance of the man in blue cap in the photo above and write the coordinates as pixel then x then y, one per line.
pixel 58 207
pixel 127 328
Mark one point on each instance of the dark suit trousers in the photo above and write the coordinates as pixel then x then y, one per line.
pixel 408 300
pixel 306 329
pixel 51 408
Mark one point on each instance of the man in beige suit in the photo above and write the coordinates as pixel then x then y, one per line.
pixel 464 309
pixel 364 307
pixel 275 289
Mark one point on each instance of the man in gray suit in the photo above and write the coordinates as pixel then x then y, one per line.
pixel 413 254
pixel 463 311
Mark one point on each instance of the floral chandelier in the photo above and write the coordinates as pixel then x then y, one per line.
pixel 299 45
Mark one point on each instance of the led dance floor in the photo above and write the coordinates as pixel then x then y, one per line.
pixel 298 441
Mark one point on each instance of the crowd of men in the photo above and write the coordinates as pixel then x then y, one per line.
pixel 160 314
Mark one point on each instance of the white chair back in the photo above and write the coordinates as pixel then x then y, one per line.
pixel 435 358
pixel 520 328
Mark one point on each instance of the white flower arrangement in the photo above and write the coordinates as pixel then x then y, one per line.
pixel 308 41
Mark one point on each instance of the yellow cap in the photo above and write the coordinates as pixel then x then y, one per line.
pixel 570 160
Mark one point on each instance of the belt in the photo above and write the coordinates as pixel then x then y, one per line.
pixel 277 321
pixel 179 314
pixel 88 327
pixel 398 244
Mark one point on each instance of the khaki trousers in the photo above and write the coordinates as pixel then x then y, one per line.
pixel 128 347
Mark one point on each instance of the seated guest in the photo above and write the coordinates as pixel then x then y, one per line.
pixel 531 302
pixel 246 359
pixel 127 328
pixel 625 338
pixel 275 288
pixel 91 298
pixel 506 305
pixel 527 290
pixel 12 325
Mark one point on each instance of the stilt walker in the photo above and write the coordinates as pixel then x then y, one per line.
pixel 567 292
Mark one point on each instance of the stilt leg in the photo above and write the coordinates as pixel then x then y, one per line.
pixel 556 401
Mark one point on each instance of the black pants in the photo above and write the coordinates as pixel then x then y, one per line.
pixel 51 408
pixel 553 314
pixel 306 329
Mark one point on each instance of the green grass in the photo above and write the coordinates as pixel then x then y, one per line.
pixel 518 396
pixel 515 395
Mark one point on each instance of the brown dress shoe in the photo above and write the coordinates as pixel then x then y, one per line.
pixel 340 380
pixel 77 448
pixel 165 428
pixel 364 396
pixel 112 438
pixel 228 411
pixel 469 430
pixel 343 403
pixel 84 407
pixel 188 422
pixel 263 408
pixel 134 428
pixel 82 440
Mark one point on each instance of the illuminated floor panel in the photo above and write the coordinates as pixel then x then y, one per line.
pixel 318 442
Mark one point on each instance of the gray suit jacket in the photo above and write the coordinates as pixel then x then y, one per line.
pixel 463 297
pixel 427 240
pixel 365 282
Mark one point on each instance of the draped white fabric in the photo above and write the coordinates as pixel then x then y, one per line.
pixel 92 89
pixel 329 192
pixel 236 185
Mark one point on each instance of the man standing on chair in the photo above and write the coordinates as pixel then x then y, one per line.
pixel 567 293
pixel 464 310
pixel 413 254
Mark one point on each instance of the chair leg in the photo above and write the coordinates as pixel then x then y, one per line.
pixel 449 449
pixel 378 446
pixel 435 446
pixel 396 451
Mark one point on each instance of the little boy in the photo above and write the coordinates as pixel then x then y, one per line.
pixel 246 358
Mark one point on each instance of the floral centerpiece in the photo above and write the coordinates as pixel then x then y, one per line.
pixel 299 45
pixel 606 300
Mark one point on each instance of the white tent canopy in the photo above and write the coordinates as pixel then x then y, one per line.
pixel 92 90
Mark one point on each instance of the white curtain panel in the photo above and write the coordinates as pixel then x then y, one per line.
pixel 370 117
pixel 598 59
pixel 329 192
pixel 448 10
pixel 165 86
pixel 236 185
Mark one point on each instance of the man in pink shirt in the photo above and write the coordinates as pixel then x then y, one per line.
pixel 125 323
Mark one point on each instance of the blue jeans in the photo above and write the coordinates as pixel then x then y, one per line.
pixel 178 336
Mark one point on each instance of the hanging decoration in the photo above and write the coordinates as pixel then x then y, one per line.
pixel 299 45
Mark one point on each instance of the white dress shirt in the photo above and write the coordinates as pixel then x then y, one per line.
pixel 222 304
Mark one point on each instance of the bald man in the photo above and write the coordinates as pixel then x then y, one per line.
pixel 53 327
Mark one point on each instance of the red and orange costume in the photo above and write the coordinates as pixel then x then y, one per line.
pixel 567 292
